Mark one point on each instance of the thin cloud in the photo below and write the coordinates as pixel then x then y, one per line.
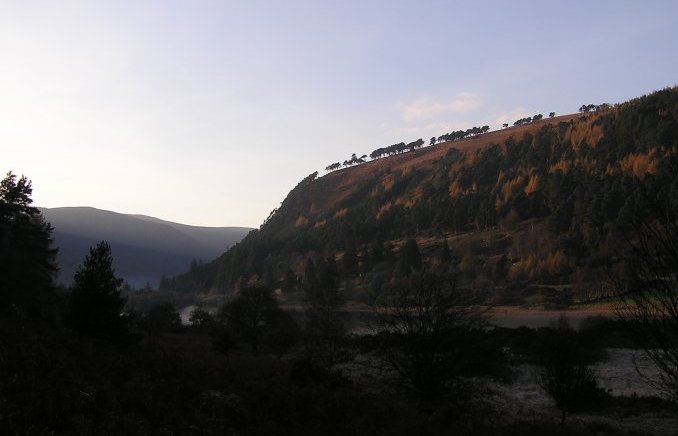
pixel 425 109
pixel 509 117
pixel 432 129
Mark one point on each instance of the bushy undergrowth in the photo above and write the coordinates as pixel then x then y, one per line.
pixel 57 383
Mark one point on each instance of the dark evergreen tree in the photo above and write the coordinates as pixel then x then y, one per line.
pixel 310 281
pixel 289 282
pixel 201 319
pixel 410 258
pixel 365 261
pixel 445 254
pixel 253 317
pixel 324 321
pixel 379 252
pixel 96 303
pixel 349 262
pixel 162 318
pixel 27 260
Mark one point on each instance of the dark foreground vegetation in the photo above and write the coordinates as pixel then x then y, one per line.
pixel 83 361
pixel 79 362
pixel 182 380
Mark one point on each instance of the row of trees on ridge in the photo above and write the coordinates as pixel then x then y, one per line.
pixel 462 134
pixel 456 135
pixel 354 160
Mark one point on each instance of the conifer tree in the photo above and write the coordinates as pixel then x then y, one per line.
pixel 410 258
pixel 27 260
pixel 445 254
pixel 324 321
pixel 96 303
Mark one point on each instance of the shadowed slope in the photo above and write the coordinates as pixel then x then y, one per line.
pixel 144 248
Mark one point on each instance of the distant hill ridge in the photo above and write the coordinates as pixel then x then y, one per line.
pixel 144 248
pixel 542 203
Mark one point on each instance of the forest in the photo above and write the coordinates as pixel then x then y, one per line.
pixel 373 315
pixel 540 218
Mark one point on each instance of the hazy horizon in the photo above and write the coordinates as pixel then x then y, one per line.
pixel 209 113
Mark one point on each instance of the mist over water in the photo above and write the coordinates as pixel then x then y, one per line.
pixel 185 312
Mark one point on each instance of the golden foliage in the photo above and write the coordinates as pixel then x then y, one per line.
pixel 341 213
pixel 584 132
pixel 470 158
pixel 500 178
pixel 555 263
pixel 532 184
pixel 385 208
pixel 639 164
pixel 508 189
pixel 387 181
pixel 455 189
pixel 523 269
pixel 301 221
pixel 411 199
pixel 561 165
pixel 530 267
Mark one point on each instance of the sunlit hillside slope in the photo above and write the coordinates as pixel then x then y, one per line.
pixel 528 214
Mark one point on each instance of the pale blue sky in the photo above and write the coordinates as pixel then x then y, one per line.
pixel 208 113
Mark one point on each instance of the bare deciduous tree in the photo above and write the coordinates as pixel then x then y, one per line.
pixel 565 373
pixel 425 328
pixel 649 297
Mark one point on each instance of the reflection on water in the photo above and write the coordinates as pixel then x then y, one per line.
pixel 513 318
pixel 361 322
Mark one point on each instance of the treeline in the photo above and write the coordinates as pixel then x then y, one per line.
pixel 528 120
pixel 594 107
pixel 398 148
pixel 463 134
pixel 456 135
pixel 354 160
pixel 402 147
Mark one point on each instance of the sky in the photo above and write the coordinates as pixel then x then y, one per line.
pixel 209 112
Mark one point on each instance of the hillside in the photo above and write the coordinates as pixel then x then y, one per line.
pixel 528 214
pixel 144 248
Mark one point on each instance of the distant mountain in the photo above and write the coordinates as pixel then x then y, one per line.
pixel 537 213
pixel 144 248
